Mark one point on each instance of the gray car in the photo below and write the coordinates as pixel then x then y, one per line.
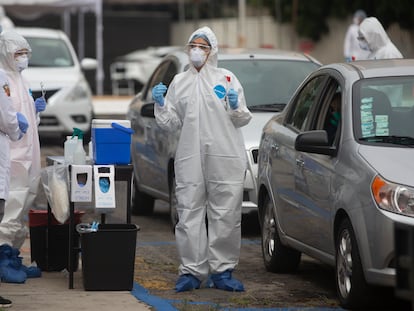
pixel 269 79
pixel 333 182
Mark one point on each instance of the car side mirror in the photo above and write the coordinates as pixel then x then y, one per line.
pixel 89 64
pixel 147 110
pixel 314 142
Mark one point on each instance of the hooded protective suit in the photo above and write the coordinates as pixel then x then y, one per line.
pixel 25 153
pixel 210 163
pixel 9 130
pixel 352 51
pixel 378 41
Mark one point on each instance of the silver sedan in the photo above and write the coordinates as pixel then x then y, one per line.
pixel 334 179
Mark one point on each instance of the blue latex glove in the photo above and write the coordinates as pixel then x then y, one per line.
pixel 348 59
pixel 23 124
pixel 40 104
pixel 104 184
pixel 233 99
pixel 158 92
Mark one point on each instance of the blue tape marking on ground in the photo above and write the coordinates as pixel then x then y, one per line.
pixel 158 303
pixel 285 309
pixel 141 294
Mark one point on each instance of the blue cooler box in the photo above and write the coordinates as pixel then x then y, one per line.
pixel 111 141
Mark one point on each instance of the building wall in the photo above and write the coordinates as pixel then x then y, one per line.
pixel 264 31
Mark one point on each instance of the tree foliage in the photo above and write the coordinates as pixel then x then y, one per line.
pixel 310 16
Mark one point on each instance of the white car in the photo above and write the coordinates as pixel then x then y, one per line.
pixel 54 64
pixel 269 78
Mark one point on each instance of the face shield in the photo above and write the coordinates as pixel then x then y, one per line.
pixel 203 41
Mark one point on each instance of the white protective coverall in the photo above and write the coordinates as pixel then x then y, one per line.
pixel 5 21
pixel 378 41
pixel 25 153
pixel 352 51
pixel 9 130
pixel 210 164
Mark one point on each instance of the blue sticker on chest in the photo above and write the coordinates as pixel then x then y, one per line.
pixel 220 91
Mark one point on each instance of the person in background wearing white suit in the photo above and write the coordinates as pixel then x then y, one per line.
pixel 25 153
pixel 352 50
pixel 5 21
pixel 207 105
pixel 13 125
pixel 373 38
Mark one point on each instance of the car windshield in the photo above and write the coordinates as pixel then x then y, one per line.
pixel 268 84
pixel 384 111
pixel 47 52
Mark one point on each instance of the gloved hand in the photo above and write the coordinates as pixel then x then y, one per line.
pixel 158 92
pixel 23 124
pixel 40 104
pixel 348 59
pixel 233 99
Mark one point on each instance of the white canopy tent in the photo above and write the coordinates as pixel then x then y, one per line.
pixel 32 9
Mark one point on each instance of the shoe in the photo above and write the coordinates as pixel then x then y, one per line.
pixel 225 281
pixel 187 282
pixel 32 271
pixel 5 303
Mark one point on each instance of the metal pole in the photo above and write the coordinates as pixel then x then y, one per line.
pixel 242 23
pixel 99 48
pixel 81 34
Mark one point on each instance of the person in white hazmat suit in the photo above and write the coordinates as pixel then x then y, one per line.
pixel 13 125
pixel 207 105
pixel 25 153
pixel 373 38
pixel 352 51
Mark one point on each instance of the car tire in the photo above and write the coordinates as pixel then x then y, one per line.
pixel 352 289
pixel 173 204
pixel 142 204
pixel 277 257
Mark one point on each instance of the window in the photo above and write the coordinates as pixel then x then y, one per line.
pixel 49 53
pixel 383 109
pixel 162 74
pixel 268 82
pixel 307 98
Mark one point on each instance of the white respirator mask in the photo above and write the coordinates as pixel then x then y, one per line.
pixel 198 57
pixel 22 62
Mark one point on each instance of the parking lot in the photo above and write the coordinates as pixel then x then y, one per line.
pixel 311 288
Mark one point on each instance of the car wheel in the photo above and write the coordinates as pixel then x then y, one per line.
pixel 352 289
pixel 141 203
pixel 277 257
pixel 173 204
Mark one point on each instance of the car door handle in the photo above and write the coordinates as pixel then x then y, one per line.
pixel 300 163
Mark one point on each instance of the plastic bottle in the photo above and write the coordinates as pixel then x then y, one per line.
pixel 69 148
pixel 79 156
